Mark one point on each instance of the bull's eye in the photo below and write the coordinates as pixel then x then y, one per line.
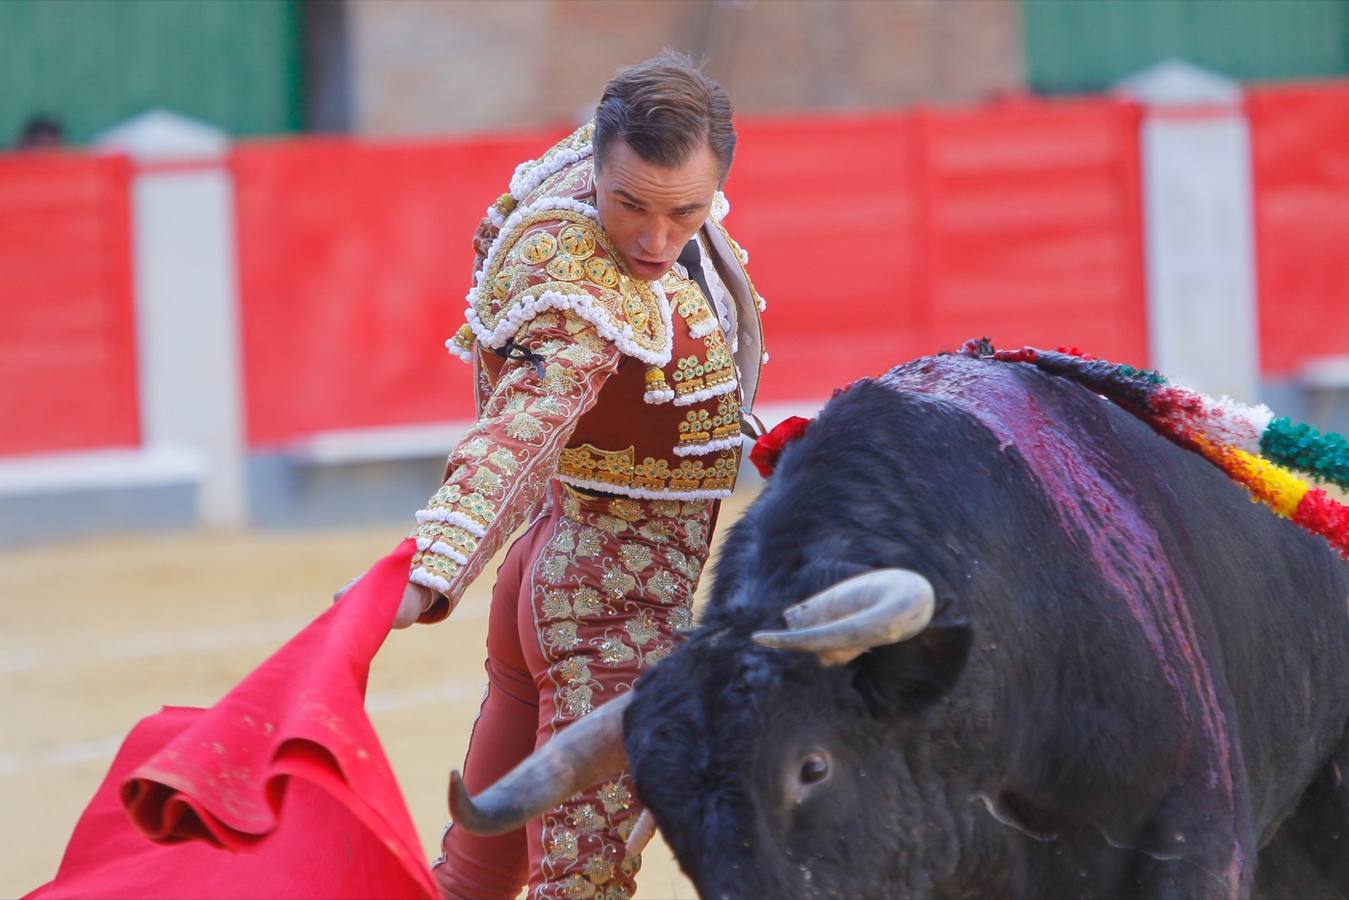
pixel 814 768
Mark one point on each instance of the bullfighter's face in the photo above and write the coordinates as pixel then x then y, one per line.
pixel 651 211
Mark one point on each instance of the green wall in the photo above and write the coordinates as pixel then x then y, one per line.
pixel 1086 45
pixel 93 63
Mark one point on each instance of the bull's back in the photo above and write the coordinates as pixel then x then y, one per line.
pixel 1244 615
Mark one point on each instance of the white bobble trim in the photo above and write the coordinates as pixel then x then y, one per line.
pixel 727 443
pixel 644 493
pixel 705 394
pixel 440 548
pixel 655 398
pixel 426 579
pixel 456 350
pixel 451 517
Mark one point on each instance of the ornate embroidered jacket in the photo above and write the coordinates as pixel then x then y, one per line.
pixel 552 317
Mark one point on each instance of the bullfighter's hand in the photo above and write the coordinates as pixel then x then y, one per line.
pixel 417 599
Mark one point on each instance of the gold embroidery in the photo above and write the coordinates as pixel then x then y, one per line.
pixel 555 605
pixel 553 569
pixel 538 247
pixel 588 542
pixel 577 354
pixel 524 427
pixel 612 525
pixel 576 241
pixel 562 845
pixel 616 583
pixel 558 379
pixel 587 602
pixel 602 272
pixel 617 467
pixel 561 636
pixel 614 652
pixel 477 506
pixel 576 699
pixel 574 887
pixel 630 305
pixel 656 532
pixel 564 268
pixel 598 869
pixel 478 447
pixel 679 619
pixel 625 827
pixel 614 796
pixel 635 557
pixel 487 481
pixel 585 818
pixel 503 460
pixel 641 628
pixel 696 427
pixel 574 669
pixel 663 586
pixel 564 541
pixel 547 406
pixel 625 509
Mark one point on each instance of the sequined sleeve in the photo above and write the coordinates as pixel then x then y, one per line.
pixel 499 471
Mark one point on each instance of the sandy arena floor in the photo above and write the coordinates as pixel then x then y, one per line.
pixel 100 633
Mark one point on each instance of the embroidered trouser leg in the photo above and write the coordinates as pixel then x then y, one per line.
pixel 486 868
pixel 601 590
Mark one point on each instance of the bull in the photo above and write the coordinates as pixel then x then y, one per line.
pixel 983 633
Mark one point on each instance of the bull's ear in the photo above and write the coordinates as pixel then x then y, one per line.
pixel 908 676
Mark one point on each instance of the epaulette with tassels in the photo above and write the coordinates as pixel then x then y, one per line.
pixel 1253 447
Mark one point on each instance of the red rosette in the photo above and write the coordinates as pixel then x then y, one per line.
pixel 768 448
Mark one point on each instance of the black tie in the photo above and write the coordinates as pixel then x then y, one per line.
pixel 692 261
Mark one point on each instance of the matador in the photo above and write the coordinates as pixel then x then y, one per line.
pixel 615 340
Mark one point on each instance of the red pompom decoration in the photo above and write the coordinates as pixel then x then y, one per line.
pixel 768 448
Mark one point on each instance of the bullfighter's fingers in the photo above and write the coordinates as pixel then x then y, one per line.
pixel 642 833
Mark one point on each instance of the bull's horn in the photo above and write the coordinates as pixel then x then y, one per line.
pixel 581 756
pixel 844 621
pixel 642 833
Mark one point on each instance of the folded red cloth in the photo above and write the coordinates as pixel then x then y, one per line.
pixel 279 790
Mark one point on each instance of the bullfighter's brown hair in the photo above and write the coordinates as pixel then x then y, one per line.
pixel 665 108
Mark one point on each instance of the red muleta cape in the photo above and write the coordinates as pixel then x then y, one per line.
pixel 279 790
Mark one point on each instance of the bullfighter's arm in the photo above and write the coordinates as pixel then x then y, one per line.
pixel 500 469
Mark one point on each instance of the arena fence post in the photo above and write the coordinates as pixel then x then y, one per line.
pixel 1198 228
pixel 186 298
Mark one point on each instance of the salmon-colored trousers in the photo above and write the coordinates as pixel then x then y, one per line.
pixel 593 593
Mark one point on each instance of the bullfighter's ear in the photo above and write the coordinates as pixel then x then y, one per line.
pixel 909 676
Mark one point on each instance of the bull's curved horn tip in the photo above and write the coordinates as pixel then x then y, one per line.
pixel 461 804
pixel 642 833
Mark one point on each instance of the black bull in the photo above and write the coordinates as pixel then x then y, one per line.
pixel 1134 682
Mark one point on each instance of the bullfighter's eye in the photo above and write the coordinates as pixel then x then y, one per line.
pixel 814 768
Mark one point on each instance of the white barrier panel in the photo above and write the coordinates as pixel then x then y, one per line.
pixel 186 301
pixel 1202 328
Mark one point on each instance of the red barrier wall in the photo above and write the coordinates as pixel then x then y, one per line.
pixel 353 264
pixel 880 239
pixel 67 345
pixel 1300 157
pixel 874 239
